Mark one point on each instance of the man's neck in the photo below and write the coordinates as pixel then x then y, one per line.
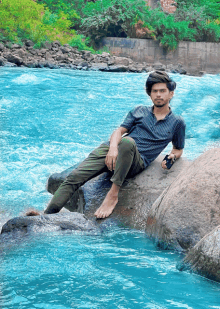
pixel 161 112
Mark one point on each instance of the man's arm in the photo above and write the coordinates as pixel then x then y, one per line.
pixel 112 154
pixel 175 154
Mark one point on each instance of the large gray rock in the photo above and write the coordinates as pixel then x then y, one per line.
pixel 135 197
pixel 190 207
pixel 204 257
pixel 53 222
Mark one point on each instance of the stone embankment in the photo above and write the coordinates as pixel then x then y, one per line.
pixel 55 56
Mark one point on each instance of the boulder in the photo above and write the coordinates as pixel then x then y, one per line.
pixel 118 68
pixel 189 207
pixel 122 61
pixel 99 66
pixel 14 58
pixel 204 257
pixel 46 223
pixel 135 197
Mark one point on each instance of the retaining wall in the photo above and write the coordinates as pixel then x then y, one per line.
pixel 194 57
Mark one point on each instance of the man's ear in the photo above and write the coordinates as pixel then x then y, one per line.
pixel 171 94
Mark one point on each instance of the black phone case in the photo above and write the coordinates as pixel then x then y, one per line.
pixel 169 162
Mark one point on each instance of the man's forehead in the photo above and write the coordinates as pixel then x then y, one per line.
pixel 159 86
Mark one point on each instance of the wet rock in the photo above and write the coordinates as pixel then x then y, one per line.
pixel 135 197
pixel 2 61
pixel 53 222
pixel 118 68
pixel 190 207
pixel 204 257
pixel 10 64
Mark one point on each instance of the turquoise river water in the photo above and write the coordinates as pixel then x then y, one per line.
pixel 51 120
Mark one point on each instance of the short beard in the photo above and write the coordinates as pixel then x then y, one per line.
pixel 160 106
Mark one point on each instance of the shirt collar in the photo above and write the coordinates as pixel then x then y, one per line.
pixel 152 111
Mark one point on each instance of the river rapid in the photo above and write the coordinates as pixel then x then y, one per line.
pixel 51 120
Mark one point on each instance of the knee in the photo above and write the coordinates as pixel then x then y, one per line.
pixel 126 144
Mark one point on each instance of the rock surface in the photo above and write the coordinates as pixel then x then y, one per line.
pixel 204 257
pixel 135 197
pixel 190 207
pixel 55 56
pixel 45 223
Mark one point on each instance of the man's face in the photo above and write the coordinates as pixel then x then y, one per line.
pixel 161 95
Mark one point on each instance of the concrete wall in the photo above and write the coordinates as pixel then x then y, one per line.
pixel 195 57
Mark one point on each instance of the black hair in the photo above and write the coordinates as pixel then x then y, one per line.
pixel 159 77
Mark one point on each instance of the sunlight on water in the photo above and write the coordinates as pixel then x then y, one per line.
pixel 51 120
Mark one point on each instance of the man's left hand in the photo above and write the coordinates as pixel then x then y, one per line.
pixel 171 156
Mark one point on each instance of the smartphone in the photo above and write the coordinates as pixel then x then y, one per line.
pixel 169 162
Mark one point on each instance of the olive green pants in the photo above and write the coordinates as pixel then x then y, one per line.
pixel 128 164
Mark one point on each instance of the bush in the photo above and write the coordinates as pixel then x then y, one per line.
pixel 205 30
pixel 68 7
pixel 112 18
pixel 26 19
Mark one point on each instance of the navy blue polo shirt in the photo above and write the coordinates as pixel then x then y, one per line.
pixel 152 136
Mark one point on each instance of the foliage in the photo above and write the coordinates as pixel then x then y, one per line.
pixel 211 8
pixel 112 18
pixel 168 31
pixel 81 23
pixel 81 43
pixel 68 7
pixel 26 19
pixel 193 21
pixel 206 29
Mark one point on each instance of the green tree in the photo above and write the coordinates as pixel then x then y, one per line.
pixel 26 19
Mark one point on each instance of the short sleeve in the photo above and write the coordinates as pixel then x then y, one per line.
pixel 179 135
pixel 129 120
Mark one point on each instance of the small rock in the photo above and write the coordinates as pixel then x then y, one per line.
pixel 29 43
pixel 2 61
pixel 2 47
pixel 56 43
pixel 47 45
pixel 15 46
pixel 65 49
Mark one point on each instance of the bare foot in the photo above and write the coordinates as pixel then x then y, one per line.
pixel 107 206
pixel 32 213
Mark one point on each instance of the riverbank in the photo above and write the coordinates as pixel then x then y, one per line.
pixel 56 56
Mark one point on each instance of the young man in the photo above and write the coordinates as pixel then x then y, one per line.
pixel 149 130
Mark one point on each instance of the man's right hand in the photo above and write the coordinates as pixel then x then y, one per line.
pixel 111 157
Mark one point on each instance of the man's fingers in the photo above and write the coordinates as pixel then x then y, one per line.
pixel 113 163
pixel 110 162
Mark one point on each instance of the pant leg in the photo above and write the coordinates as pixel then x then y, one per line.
pixel 91 167
pixel 129 161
